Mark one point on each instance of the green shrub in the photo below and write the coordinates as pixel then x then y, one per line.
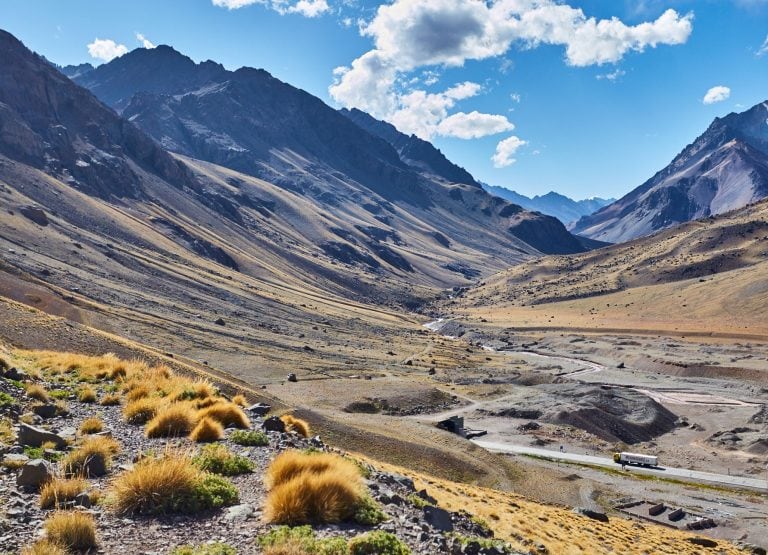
pixel 249 438
pixel 301 539
pixel 218 459
pixel 368 512
pixel 213 492
pixel 378 543
pixel 59 394
pixel 207 549
pixel 483 543
pixel 6 400
pixel 417 501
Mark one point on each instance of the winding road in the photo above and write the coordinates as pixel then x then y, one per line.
pixel 669 472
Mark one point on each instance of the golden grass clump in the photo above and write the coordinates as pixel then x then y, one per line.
pixel 86 394
pixel 38 393
pixel 240 400
pixel 141 411
pixel 44 547
pixel 227 414
pixel 293 424
pixel 312 488
pixel 58 491
pixel 136 393
pixel 93 455
pixel 110 400
pixel 174 420
pixel 92 425
pixel 207 430
pixel 74 530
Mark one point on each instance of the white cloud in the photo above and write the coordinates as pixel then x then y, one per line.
pixel 414 35
pixel 307 8
pixel 717 94
pixel 505 150
pixel 145 42
pixel 612 76
pixel 106 49
pixel 763 50
pixel 473 125
pixel 515 97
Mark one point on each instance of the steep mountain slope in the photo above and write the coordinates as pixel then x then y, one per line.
pixel 412 150
pixel 251 122
pixel 724 169
pixel 554 204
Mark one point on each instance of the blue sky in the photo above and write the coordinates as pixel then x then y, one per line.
pixel 534 95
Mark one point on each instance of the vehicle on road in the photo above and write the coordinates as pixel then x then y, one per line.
pixel 635 458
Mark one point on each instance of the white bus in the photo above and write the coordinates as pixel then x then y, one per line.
pixel 634 458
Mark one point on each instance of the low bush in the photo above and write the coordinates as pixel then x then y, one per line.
pixel 378 543
pixel 6 400
pixel 92 458
pixel 58 491
pixel 227 414
pixel 300 540
pixel 44 547
pixel 206 549
pixel 220 460
pixel 169 484
pixel 110 400
pixel 174 420
pixel 297 425
pixel 74 530
pixel 38 393
pixel 240 400
pixel 92 425
pixel 250 438
pixel 136 393
pixel 317 488
pixel 7 433
pixel 86 394
pixel 60 394
pixel 141 410
pixel 207 430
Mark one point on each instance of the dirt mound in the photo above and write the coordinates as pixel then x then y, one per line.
pixel 761 416
pixel 612 414
pixel 758 447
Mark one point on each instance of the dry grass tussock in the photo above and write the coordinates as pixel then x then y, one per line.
pixel 297 425
pixel 60 490
pixel 227 414
pixel 141 411
pixel 44 547
pixel 93 453
pixel 74 530
pixel 92 425
pixel 312 488
pixel 169 484
pixel 207 430
pixel 240 400
pixel 173 420
pixel 37 392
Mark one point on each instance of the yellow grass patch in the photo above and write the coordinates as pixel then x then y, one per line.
pixel 60 490
pixel 297 425
pixel 93 452
pixel 227 414
pixel 141 411
pixel 174 420
pixel 86 394
pixel 44 547
pixel 207 430
pixel 37 392
pixel 75 530
pixel 92 425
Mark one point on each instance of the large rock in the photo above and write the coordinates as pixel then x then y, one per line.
pixel 35 473
pixel 35 437
pixel 273 424
pixel 44 410
pixel 438 518
pixel 259 409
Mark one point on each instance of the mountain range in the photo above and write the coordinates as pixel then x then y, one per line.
pixel 724 169
pixel 554 204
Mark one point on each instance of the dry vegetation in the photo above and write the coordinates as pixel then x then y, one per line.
pixel 60 490
pixel 74 530
pixel 293 424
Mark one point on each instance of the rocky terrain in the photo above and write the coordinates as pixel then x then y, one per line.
pixel 724 169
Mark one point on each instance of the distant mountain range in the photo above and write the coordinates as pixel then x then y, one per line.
pixel 726 168
pixel 554 204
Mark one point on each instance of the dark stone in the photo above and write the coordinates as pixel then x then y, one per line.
pixel 292 378
pixel 35 473
pixel 35 437
pixel 703 542
pixel 259 409
pixel 220 322
pixel 438 518
pixel 45 410
pixel 273 424
pixel 594 515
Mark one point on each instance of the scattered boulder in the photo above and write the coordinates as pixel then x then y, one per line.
pixel 35 214
pixel 273 424
pixel 239 513
pixel 14 374
pixel 703 542
pixel 438 518
pixel 589 513
pixel 259 409
pixel 44 410
pixel 14 460
pixel 220 322
pixel 292 378
pixel 83 500
pixel 34 473
pixel 35 437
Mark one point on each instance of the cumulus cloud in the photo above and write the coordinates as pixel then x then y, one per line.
pixel 473 125
pixel 145 42
pixel 411 35
pixel 717 94
pixel 505 151
pixel 106 49
pixel 307 8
